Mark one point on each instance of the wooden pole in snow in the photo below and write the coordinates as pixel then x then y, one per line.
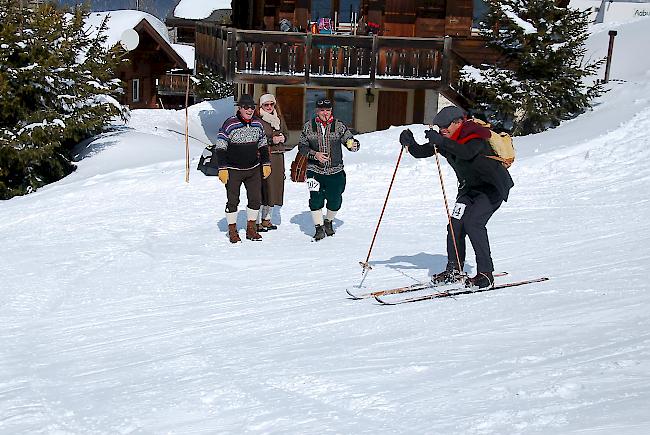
pixel 610 50
pixel 187 132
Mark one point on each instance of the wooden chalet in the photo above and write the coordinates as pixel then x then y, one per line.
pixel 382 62
pixel 148 84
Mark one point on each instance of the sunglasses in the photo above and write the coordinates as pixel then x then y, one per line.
pixel 247 107
pixel 268 104
pixel 324 102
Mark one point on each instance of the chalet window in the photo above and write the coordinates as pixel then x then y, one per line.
pixel 347 8
pixel 344 106
pixel 480 11
pixel 311 96
pixel 343 103
pixel 326 9
pixel 135 90
pixel 321 9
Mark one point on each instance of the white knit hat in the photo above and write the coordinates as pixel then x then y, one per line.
pixel 267 98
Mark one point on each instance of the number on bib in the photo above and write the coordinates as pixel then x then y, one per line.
pixel 312 184
pixel 459 210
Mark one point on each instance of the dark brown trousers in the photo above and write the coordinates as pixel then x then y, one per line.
pixel 252 181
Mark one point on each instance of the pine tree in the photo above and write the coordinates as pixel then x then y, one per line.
pixel 57 87
pixel 211 86
pixel 543 77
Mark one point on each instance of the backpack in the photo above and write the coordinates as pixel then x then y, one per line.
pixel 208 162
pixel 501 144
pixel 299 164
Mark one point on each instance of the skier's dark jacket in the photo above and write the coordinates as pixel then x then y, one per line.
pixel 466 152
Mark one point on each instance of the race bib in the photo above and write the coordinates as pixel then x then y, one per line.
pixel 312 184
pixel 459 210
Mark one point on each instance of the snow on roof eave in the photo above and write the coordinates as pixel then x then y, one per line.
pixel 144 25
pixel 121 20
pixel 199 9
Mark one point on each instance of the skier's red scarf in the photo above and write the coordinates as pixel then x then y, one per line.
pixel 473 131
pixel 246 122
pixel 325 123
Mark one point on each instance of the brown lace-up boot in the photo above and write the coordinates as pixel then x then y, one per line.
pixel 232 233
pixel 251 231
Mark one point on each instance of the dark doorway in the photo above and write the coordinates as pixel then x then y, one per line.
pixel 392 109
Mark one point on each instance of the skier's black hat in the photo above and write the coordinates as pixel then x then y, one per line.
pixel 324 103
pixel 448 115
pixel 245 100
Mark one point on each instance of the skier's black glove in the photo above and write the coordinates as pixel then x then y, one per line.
pixel 434 137
pixel 406 138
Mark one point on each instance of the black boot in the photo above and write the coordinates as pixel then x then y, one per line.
pixel 329 229
pixel 481 280
pixel 320 233
pixel 449 276
pixel 267 225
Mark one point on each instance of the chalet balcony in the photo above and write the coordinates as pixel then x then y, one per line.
pixel 173 84
pixel 291 58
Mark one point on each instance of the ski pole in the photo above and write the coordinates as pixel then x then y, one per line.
pixel 183 134
pixel 364 264
pixel 444 195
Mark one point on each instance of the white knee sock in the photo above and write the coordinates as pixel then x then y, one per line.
pixel 330 215
pixel 231 218
pixel 252 214
pixel 317 216
pixel 265 211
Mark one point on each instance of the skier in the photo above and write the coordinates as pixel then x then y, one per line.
pixel 483 184
pixel 322 140
pixel 277 134
pixel 241 149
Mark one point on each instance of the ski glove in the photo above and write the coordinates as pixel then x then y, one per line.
pixel 223 175
pixel 406 138
pixel 352 144
pixel 434 137
pixel 266 171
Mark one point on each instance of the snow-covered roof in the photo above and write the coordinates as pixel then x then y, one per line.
pixel 619 11
pixel 186 52
pixel 199 9
pixel 122 20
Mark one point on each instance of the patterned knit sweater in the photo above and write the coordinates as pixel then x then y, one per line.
pixel 329 139
pixel 242 144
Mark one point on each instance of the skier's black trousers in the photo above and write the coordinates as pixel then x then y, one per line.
pixel 477 213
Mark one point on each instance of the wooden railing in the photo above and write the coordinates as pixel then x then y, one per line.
pixel 175 84
pixel 252 56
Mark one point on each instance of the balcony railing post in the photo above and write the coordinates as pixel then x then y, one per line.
pixel 232 49
pixel 446 62
pixel 374 54
pixel 307 57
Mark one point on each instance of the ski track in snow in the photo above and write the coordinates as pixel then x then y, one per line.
pixel 124 308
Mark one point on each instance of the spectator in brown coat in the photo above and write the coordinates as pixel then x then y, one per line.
pixel 277 134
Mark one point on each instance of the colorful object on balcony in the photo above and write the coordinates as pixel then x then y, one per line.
pixel 325 26
pixel 373 28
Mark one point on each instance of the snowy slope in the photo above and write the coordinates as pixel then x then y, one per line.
pixel 124 309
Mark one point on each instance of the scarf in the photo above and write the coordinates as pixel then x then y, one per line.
pixel 272 118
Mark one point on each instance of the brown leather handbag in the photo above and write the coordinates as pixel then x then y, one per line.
pixel 299 168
